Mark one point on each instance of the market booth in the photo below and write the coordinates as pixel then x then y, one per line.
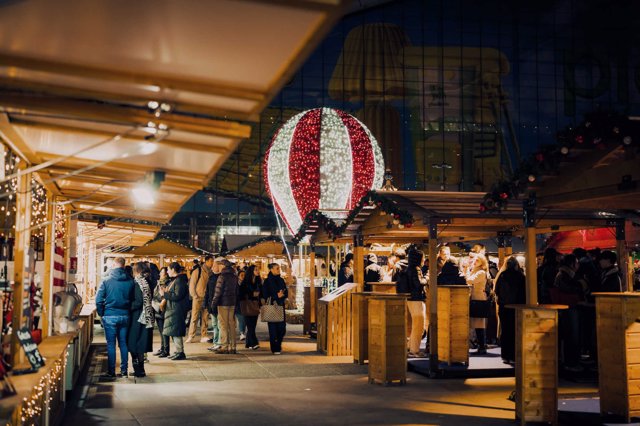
pixel 111 137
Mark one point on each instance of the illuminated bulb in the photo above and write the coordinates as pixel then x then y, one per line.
pixel 564 150
pixel 627 140
pixel 143 194
pixel 532 178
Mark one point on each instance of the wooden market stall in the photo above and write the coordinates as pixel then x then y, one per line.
pixel 93 122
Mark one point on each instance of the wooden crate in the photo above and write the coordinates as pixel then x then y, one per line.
pixel 537 363
pixel 307 325
pixel 453 323
pixel 619 353
pixel 383 287
pixel 387 341
pixel 334 321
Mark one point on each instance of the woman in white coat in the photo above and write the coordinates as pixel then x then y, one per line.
pixel 477 276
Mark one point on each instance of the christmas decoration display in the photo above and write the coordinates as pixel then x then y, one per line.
pixel 600 130
pixel 321 160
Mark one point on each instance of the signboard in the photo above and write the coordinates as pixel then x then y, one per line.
pixel 30 348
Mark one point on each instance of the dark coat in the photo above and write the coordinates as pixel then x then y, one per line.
pixel 115 294
pixel 209 292
pixel 176 311
pixel 511 288
pixel 450 275
pixel 226 293
pixel 271 286
pixel 140 338
pixel 345 274
pixel 372 274
pixel 248 287
pixel 611 281
pixel 417 284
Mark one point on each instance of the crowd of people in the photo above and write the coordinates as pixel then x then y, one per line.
pixel 569 279
pixel 134 299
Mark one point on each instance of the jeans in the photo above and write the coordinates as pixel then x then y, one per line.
pixel 198 313
pixel 227 320
pixel 277 330
pixel 179 344
pixel 164 340
pixel 216 328
pixel 252 339
pixel 115 327
pixel 240 320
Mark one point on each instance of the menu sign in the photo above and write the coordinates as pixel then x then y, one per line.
pixel 30 348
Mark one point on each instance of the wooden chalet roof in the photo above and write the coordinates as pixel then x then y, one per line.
pixel 167 248
pixel 460 218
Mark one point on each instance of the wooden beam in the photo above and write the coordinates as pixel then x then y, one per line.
pixel 118 166
pixel 168 141
pixel 123 115
pixel 433 298
pixel 130 97
pixel 159 80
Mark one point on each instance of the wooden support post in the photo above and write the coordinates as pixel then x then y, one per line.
pixel 21 262
pixel 501 251
pixel 623 254
pixel 358 263
pixel 433 297
pixel 312 289
pixel 47 279
pixel 531 264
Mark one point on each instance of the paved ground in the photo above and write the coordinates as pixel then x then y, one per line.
pixel 298 387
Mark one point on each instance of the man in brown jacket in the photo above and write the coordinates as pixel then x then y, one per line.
pixel 197 289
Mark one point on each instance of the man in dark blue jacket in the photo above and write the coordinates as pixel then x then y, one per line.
pixel 113 303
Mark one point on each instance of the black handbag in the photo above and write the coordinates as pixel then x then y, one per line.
pixel 479 308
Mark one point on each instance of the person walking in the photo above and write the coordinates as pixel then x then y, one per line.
pixel 208 297
pixel 197 291
pixel 159 306
pixel 416 303
pixel 477 277
pixel 510 290
pixel 240 320
pixel 177 297
pixel 224 299
pixel 113 302
pixel 250 289
pixel 274 290
pixel 142 317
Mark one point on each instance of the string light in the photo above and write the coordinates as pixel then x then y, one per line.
pixel 321 159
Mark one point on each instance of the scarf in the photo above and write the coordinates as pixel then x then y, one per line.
pixel 146 316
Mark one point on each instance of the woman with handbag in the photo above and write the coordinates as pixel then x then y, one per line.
pixel 140 335
pixel 477 276
pixel 159 305
pixel 274 293
pixel 416 303
pixel 177 300
pixel 250 289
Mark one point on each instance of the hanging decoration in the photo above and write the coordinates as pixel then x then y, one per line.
pixel 599 130
pixel 321 160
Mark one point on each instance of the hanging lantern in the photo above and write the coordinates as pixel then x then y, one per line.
pixel 321 159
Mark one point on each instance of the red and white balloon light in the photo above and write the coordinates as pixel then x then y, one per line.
pixel 322 159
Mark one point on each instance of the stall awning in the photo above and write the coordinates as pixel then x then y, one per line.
pixel 246 246
pixel 162 246
pixel 116 234
pixel 109 90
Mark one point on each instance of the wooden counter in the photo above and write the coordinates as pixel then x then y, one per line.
pixel 387 339
pixel 383 287
pixel 537 363
pixel 453 323
pixel 619 353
